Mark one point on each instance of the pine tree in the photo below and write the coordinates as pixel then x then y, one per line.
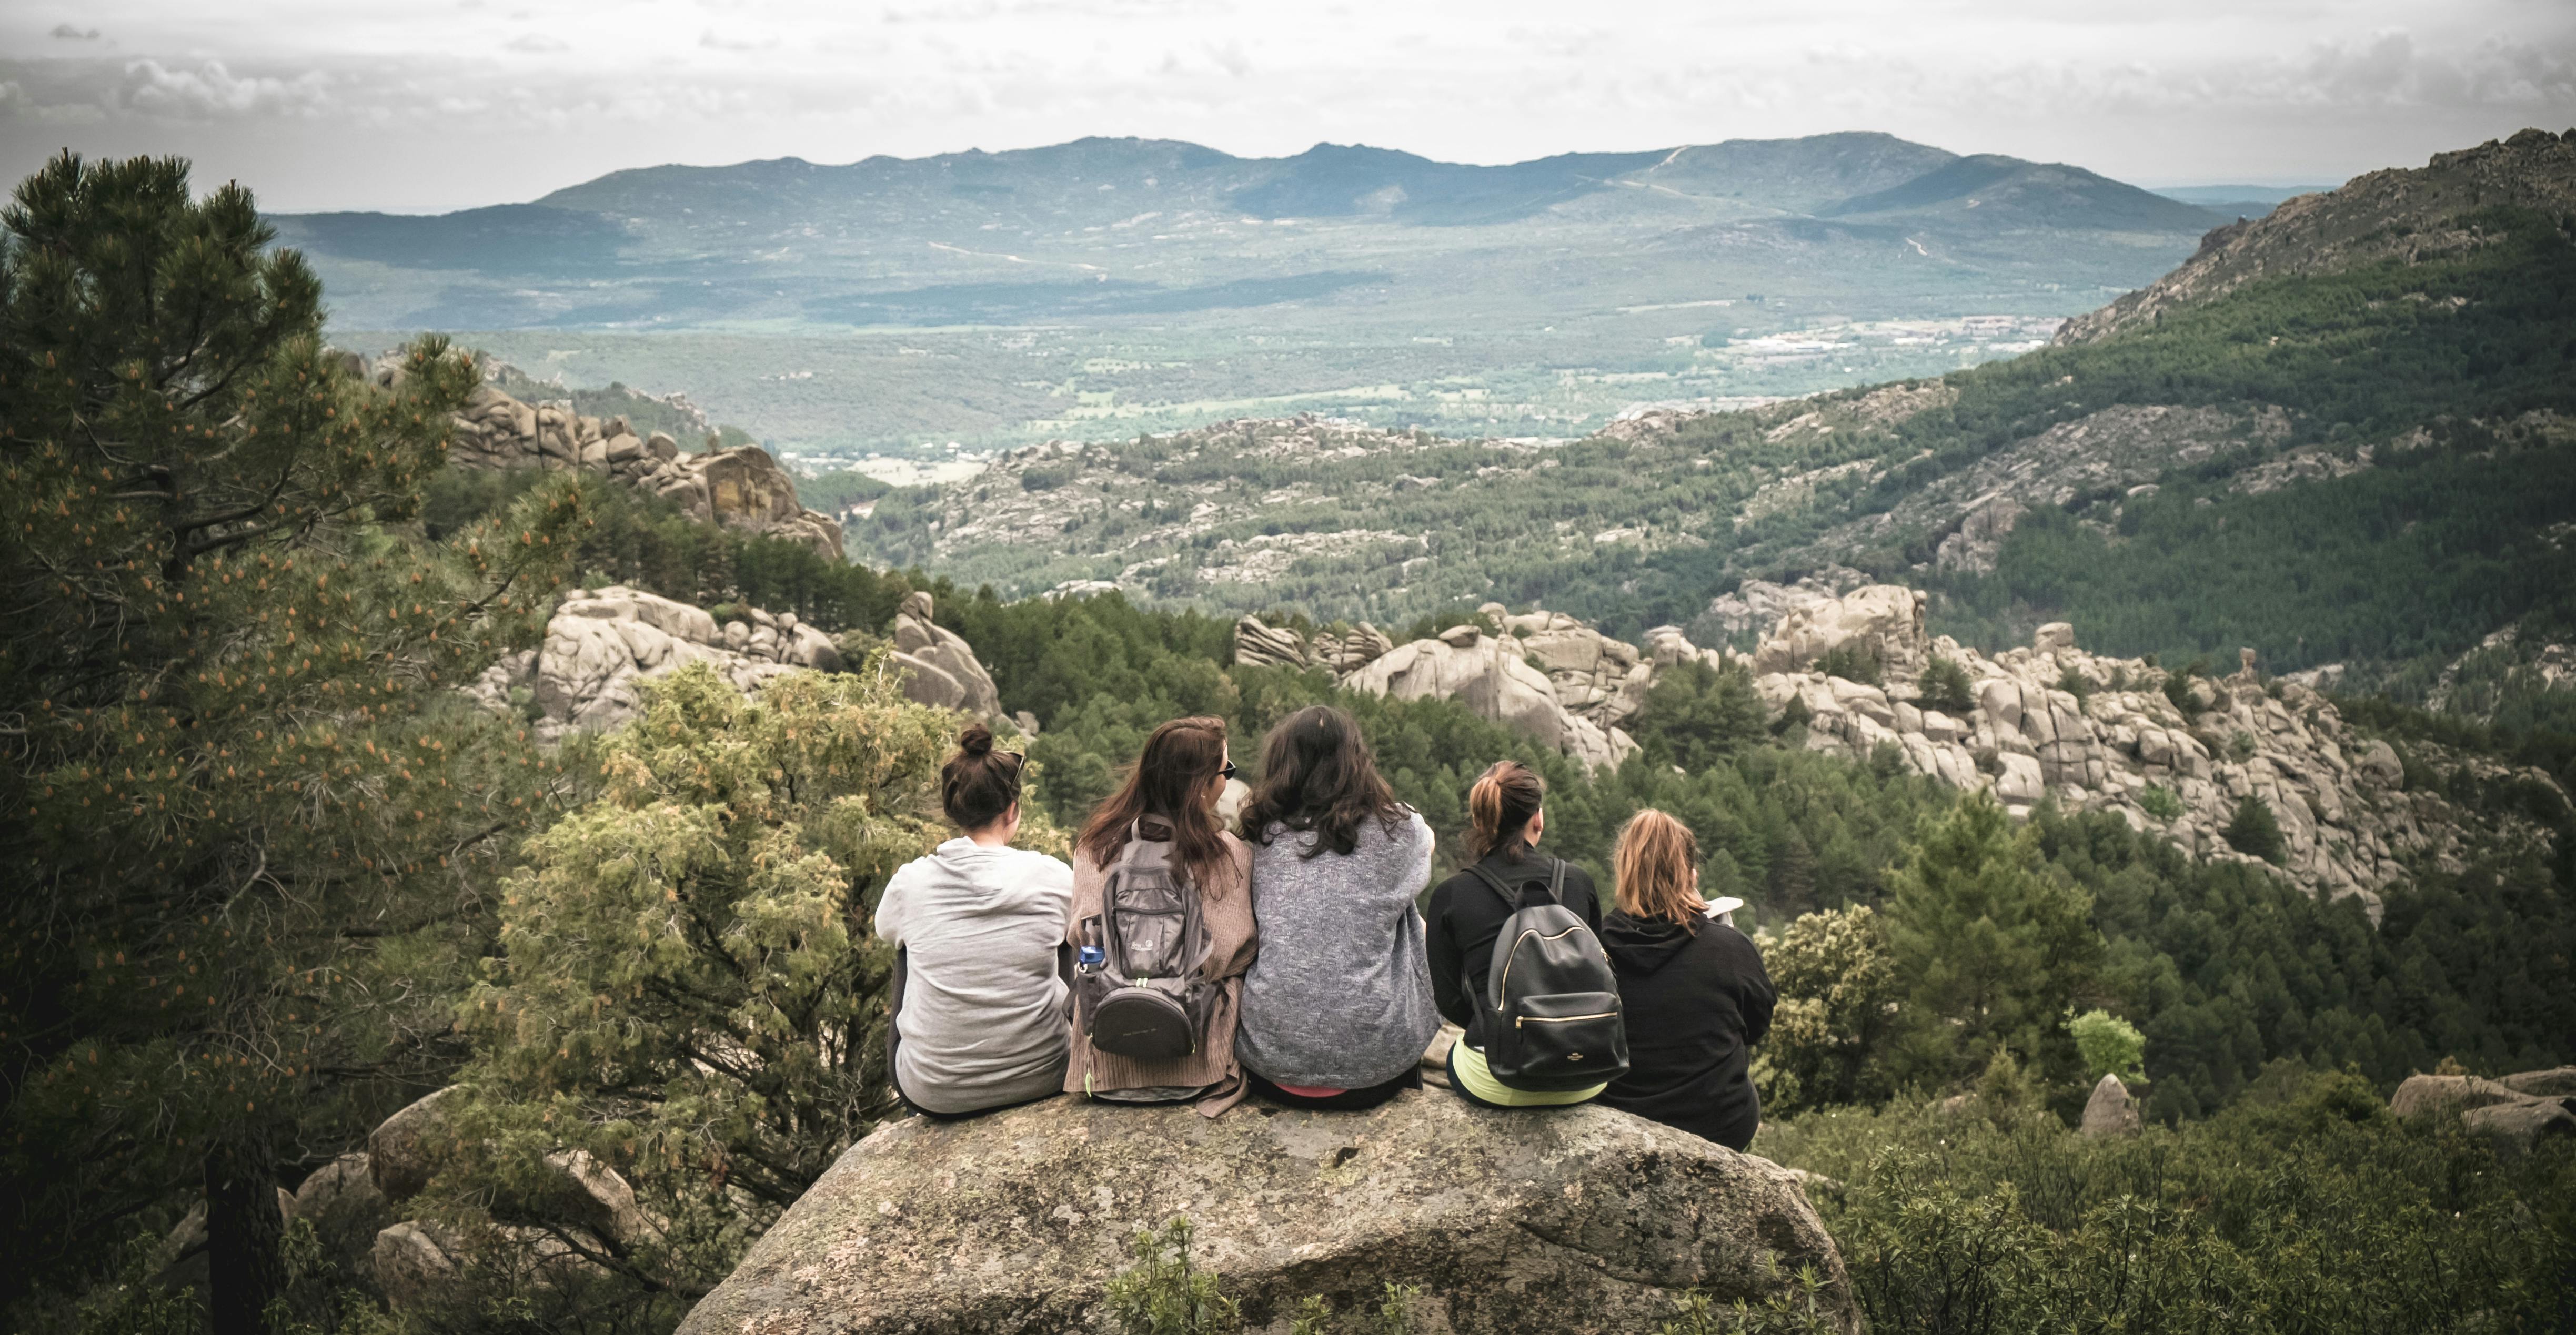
pixel 2252 829
pixel 1991 946
pixel 235 762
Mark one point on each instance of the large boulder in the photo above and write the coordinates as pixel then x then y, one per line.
pixel 401 1150
pixel 1491 676
pixel 1257 643
pixel 341 1202
pixel 2515 1112
pixel 2556 1082
pixel 599 644
pixel 2110 1111
pixel 1883 622
pixel 2432 1095
pixel 940 668
pixel 412 1263
pixel 1575 1219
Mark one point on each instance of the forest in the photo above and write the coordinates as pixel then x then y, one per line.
pixel 275 879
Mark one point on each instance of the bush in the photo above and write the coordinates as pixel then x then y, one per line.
pixel 2076 684
pixel 1851 662
pixel 1945 687
pixel 2255 831
pixel 2109 1045
pixel 2159 801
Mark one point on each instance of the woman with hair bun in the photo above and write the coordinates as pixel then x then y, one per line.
pixel 1693 988
pixel 976 925
pixel 1507 814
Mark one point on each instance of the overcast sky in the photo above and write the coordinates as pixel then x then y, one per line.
pixel 441 104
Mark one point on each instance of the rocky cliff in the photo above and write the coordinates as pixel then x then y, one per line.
pixel 1575 1219
pixel 2407 214
pixel 601 643
pixel 739 488
pixel 2052 722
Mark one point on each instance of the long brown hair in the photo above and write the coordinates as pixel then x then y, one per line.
pixel 1169 783
pixel 1654 862
pixel 1500 805
pixel 1317 775
pixel 978 784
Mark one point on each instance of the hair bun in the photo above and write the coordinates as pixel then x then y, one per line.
pixel 976 741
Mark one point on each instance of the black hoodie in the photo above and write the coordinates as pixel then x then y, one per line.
pixel 1693 1001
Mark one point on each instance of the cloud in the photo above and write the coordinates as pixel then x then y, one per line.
pixel 211 91
pixel 716 41
pixel 69 33
pixel 537 43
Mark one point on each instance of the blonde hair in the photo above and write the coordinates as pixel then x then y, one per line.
pixel 1500 805
pixel 1656 865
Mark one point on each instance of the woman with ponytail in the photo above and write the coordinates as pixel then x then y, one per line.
pixel 1693 988
pixel 976 926
pixel 1507 813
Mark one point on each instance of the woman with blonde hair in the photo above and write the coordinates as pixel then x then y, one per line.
pixel 1692 986
pixel 1507 815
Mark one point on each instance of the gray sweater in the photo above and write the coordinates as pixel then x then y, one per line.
pixel 1340 995
pixel 983 1020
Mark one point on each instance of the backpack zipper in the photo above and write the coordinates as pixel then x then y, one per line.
pixel 1519 1020
pixel 1503 989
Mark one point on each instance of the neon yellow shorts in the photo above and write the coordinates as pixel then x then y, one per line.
pixel 1475 1082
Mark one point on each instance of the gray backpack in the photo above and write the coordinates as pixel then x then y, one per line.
pixel 1137 992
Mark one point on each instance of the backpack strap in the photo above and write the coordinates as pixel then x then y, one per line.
pixel 1511 901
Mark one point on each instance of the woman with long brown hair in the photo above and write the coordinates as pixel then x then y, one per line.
pixel 1337 1009
pixel 1693 988
pixel 975 926
pixel 1507 815
pixel 1168 803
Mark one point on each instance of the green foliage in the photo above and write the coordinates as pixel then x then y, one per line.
pixel 2240 746
pixel 1836 978
pixel 1696 715
pixel 1163 1295
pixel 1991 946
pixel 242 800
pixel 2255 831
pixel 684 989
pixel 2076 684
pixel 1945 687
pixel 1786 1312
pixel 2109 1045
pixel 133 1301
pixel 2159 801
pixel 1393 1316
pixel 1851 662
pixel 2305 1204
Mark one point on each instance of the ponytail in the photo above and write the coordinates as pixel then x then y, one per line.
pixel 1499 807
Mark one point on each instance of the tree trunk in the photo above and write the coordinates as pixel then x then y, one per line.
pixel 243 1236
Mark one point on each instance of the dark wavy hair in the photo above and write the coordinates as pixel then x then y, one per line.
pixel 1317 775
pixel 978 784
pixel 1175 781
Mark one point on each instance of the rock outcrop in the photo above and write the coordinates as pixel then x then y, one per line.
pixel 2514 1113
pixel 599 644
pixel 2110 1111
pixel 1258 644
pixel 941 668
pixel 1576 1219
pixel 1493 676
pixel 740 488
pixel 2052 721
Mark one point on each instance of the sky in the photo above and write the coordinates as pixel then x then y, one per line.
pixel 430 105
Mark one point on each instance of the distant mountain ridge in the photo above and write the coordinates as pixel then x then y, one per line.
pixel 1862 177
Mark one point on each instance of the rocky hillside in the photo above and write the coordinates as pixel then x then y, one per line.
pixel 2403 215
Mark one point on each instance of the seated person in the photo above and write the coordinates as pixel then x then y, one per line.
pixel 1338 1007
pixel 976 925
pixel 1507 814
pixel 1169 805
pixel 1693 987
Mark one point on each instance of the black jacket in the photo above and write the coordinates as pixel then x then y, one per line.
pixel 1465 915
pixel 1693 1002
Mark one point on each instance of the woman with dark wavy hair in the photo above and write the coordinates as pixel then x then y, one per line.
pixel 1337 1009
pixel 1170 796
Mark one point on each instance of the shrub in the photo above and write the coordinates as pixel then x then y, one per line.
pixel 2240 746
pixel 1945 687
pixel 2254 830
pixel 1851 662
pixel 1163 1295
pixel 2109 1045
pixel 2076 684
pixel 2159 801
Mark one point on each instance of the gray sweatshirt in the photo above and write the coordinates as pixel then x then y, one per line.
pixel 1340 995
pixel 983 1020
